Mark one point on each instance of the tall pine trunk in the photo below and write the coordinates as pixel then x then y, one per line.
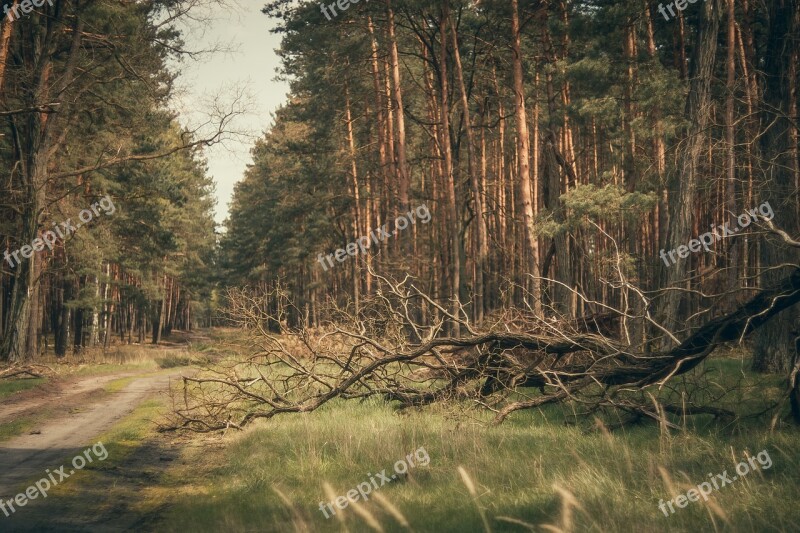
pixel 523 154
pixel 477 194
pixel 683 194
pixel 774 346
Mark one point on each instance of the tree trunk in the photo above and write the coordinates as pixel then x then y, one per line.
pixel 477 193
pixel 523 155
pixel 158 323
pixel 357 227
pixel 730 142
pixel 63 295
pixel 684 185
pixel 111 274
pixel 403 173
pixel 774 347
pixel 5 43
pixel 94 335
pixel 77 339
pixel 34 148
pixel 450 188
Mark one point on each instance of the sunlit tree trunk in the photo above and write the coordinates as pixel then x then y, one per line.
pixel 523 149
pixel 477 193
pixel 403 172
pixel 357 227
pixel 450 188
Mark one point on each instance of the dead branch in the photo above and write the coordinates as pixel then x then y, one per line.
pixel 27 370
pixel 383 351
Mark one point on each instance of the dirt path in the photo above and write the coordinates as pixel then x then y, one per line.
pixel 69 415
pixel 26 457
pixel 54 393
pixel 78 391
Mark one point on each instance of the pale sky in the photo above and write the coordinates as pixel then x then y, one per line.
pixel 251 66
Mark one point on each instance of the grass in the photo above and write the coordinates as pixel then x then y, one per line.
pixel 16 427
pixel 536 469
pixel 119 384
pixel 124 438
pixel 540 470
pixel 123 359
pixel 127 358
pixel 9 387
pixel 118 359
pixel 181 360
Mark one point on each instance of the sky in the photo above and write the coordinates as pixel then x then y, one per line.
pixel 250 64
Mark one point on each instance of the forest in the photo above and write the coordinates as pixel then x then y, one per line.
pixel 84 91
pixel 572 154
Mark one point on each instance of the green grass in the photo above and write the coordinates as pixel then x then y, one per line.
pixel 540 468
pixel 123 439
pixel 16 427
pixel 9 387
pixel 527 469
pixel 101 369
pixel 120 442
pixel 119 384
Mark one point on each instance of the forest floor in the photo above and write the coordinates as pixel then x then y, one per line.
pixel 538 469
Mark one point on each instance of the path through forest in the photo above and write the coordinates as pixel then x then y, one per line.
pixel 70 415
pixel 74 425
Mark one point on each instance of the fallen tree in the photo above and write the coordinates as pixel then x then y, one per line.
pixel 31 370
pixel 384 350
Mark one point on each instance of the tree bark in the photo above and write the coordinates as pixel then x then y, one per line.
pixel 523 155
pixel 403 172
pixel 450 188
pixel 358 230
pixel 158 324
pixel 477 193
pixel 5 43
pixel 730 141
pixel 684 186
pixel 774 346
